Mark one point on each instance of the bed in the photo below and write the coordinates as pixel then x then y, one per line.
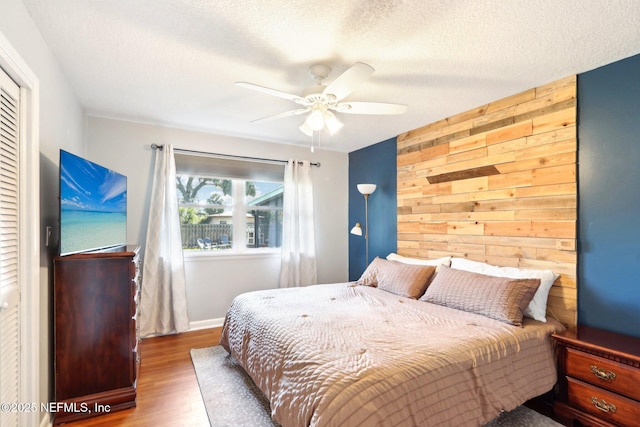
pixel 384 351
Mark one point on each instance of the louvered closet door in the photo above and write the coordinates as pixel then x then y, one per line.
pixel 9 279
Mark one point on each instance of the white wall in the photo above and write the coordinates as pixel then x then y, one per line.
pixel 61 126
pixel 213 282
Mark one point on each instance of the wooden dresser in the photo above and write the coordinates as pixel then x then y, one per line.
pixel 599 378
pixel 95 337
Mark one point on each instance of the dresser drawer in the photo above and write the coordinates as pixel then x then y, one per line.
pixel 603 404
pixel 604 373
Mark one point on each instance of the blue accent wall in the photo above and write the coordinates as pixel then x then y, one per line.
pixel 375 164
pixel 609 197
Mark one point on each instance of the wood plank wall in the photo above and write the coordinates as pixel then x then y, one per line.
pixel 497 184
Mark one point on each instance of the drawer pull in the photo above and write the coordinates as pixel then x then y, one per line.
pixel 602 405
pixel 600 373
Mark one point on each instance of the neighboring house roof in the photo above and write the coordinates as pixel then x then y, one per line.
pixel 267 197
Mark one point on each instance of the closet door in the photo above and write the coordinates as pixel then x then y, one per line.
pixel 9 267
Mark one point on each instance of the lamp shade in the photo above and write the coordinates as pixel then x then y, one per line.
pixel 357 230
pixel 315 120
pixel 306 129
pixel 366 188
pixel 331 123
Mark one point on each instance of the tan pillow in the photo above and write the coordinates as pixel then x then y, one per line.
pixel 537 308
pixel 406 280
pixel 499 298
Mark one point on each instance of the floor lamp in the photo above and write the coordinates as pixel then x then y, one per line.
pixel 366 190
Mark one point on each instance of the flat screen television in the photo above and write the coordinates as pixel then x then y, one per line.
pixel 93 206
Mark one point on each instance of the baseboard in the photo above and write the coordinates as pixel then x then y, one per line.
pixel 196 326
pixel 206 324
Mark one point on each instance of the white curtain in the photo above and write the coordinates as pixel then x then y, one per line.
pixel 298 266
pixel 163 305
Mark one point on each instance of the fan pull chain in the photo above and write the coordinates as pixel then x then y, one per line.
pixel 314 135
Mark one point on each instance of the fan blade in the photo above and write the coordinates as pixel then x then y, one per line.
pixel 274 92
pixel 282 115
pixel 370 108
pixel 347 82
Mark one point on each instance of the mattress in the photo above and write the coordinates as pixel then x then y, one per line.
pixel 346 355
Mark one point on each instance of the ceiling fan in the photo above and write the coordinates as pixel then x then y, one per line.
pixel 320 101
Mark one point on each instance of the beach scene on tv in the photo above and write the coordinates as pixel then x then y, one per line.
pixel 93 206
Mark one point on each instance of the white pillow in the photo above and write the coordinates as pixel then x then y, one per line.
pixel 417 261
pixel 537 308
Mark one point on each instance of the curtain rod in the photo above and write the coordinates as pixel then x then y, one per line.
pixel 155 146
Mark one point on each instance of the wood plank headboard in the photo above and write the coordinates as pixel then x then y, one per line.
pixel 497 184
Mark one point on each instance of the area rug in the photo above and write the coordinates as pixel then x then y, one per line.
pixel 233 400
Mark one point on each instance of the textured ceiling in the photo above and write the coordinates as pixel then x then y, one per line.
pixel 174 62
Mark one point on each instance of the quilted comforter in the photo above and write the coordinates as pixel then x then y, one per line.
pixel 346 355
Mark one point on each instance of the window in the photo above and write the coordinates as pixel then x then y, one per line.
pixel 228 210
pixel 263 211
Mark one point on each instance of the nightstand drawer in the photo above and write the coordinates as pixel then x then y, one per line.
pixel 603 404
pixel 604 373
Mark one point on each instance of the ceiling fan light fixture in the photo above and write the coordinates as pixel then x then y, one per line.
pixel 304 128
pixel 318 99
pixel 331 123
pixel 315 120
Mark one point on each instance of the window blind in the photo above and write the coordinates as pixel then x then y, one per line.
pixel 9 283
pixel 211 165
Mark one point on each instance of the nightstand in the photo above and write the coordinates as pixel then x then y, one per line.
pixel 598 378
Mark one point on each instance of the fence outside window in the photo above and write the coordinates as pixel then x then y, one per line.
pixel 215 232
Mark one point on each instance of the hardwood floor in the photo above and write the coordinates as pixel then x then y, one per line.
pixel 168 392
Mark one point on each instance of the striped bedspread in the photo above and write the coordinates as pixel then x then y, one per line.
pixel 345 355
